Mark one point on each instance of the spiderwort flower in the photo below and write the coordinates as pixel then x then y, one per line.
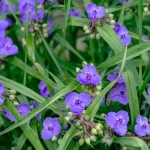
pixel 123 1
pixel 118 121
pixel 75 12
pixel 89 75
pixel 77 102
pixel 7 47
pixel 113 76
pixel 8 115
pixel 119 93
pixel 95 12
pixel 44 90
pixel 49 23
pixel 51 127
pixel 24 109
pixel 117 27
pixel 35 104
pixel 142 127
pixel 1 92
pixel 3 25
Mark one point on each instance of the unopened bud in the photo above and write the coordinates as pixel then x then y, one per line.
pixel 92 36
pixel 85 28
pixel 78 70
pixel 44 25
pixel 97 93
pixel 87 31
pixel 24 42
pixel 98 87
pixel 145 9
pixel 54 138
pixel 98 127
pixel 13 92
pixel 40 7
pixel 70 113
pixel 111 16
pixel 100 132
pixel 84 63
pixel 87 140
pixel 22 28
pixel 112 22
pixel 80 127
pixel 67 119
pixel 109 142
pixel 45 30
pixel 93 138
pixel 11 97
pixel 124 148
pixel 103 116
pixel 15 103
pixel 94 131
pixel 45 35
pixel 78 124
pixel 97 36
pixel 81 142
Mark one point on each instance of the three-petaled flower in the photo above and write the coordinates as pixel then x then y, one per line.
pixel 51 127
pixel 77 102
pixel 118 121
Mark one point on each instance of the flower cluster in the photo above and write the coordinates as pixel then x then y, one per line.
pixel 95 12
pixel 1 92
pixel 122 33
pixel 118 121
pixel 77 102
pixel 44 92
pixel 28 7
pixel 4 8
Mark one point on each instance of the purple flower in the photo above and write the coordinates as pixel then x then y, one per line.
pixel 145 37
pixel 9 21
pixel 77 102
pixel 89 75
pixel 75 12
pixel 51 1
pixel 119 93
pixel 95 12
pixel 1 92
pixel 148 90
pixel 7 47
pixel 4 7
pixel 49 23
pixel 41 1
pixel 123 1
pixel 8 115
pixel 51 127
pixel 3 25
pixel 142 127
pixel 113 76
pixel 24 109
pixel 118 121
pixel 40 15
pixel 103 100
pixel 44 92
pixel 124 36
pixel 35 104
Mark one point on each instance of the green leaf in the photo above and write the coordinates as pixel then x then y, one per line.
pixel 93 108
pixel 121 18
pixel 19 63
pixel 131 53
pixel 86 2
pixel 67 138
pixel 39 68
pixel 67 4
pixel 132 96
pixel 45 104
pixel 29 133
pixel 21 141
pixel 131 141
pixel 65 43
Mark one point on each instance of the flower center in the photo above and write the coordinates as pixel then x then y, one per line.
pixel 7 46
pixel 145 125
pixel 88 75
pixel 94 11
pixel 119 121
pixel 123 36
pixel 122 93
pixel 20 112
pixel 77 102
pixel 49 127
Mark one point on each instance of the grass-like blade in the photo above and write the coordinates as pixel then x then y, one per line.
pixel 21 141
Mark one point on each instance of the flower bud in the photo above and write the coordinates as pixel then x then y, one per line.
pixel 40 7
pixel 84 63
pixel 22 29
pixel 45 30
pixel 24 42
pixel 98 127
pixel 11 97
pixel 44 25
pixel 78 70
pixel 67 107
pixel 100 132
pixel 81 141
pixel 87 31
pixel 13 92
pixel 112 22
pixel 80 127
pixel 59 141
pixel 87 140
pixel 54 138
pixel 99 87
pixel 92 36
pixel 124 148
pixel 94 131
pixel 145 9
pixel 85 28
pixel 15 103
pixel 109 142
pixel 70 114
pixel 67 119
pixel 97 93
pixel 45 35
pixel 93 138
pixel 97 36
pixel 111 16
